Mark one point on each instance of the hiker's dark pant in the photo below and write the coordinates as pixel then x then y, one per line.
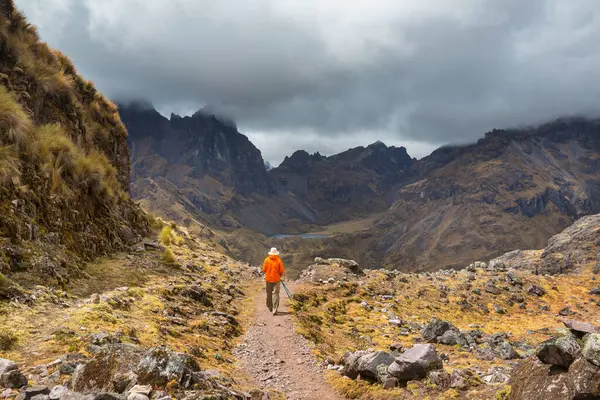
pixel 273 295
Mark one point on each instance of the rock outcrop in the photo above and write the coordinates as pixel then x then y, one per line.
pixel 64 161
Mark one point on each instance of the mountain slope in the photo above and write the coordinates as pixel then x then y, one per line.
pixel 64 162
pixel 359 181
pixel 511 190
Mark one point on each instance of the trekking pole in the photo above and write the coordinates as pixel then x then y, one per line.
pixel 287 291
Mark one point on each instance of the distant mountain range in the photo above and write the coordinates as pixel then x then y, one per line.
pixel 512 189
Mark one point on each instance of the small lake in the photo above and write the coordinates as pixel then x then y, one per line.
pixel 302 236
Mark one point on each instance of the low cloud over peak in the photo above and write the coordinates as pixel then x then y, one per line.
pixel 327 75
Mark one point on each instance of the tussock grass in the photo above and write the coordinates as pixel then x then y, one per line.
pixel 15 123
pixel 8 339
pixel 167 257
pixel 9 165
pixel 168 236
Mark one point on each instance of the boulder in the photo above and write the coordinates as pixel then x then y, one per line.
pixel 561 351
pixel 160 366
pixel 112 361
pixel 366 364
pixel 7 365
pixel 452 337
pixel 584 380
pixel 415 362
pixel 532 380
pixel 13 379
pixel 434 329
pixel 591 348
pixel 579 329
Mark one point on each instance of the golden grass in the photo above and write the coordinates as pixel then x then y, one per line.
pixel 14 121
pixel 333 319
pixel 9 165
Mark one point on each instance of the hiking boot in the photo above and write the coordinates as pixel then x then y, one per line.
pixel 274 312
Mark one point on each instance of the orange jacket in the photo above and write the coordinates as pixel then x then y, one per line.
pixel 273 269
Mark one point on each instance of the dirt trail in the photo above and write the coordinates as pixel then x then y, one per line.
pixel 275 356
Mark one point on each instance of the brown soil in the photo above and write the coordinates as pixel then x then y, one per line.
pixel 276 357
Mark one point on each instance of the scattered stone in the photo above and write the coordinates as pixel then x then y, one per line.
pixel 496 375
pixel 595 291
pixel 390 383
pixel 33 391
pixel 566 311
pixel 536 290
pixel 58 392
pixel 463 379
pixel 492 289
pixel 434 329
pixel 506 351
pixel 499 309
pixel 544 307
pixel 513 279
pixel 440 378
pixel 561 351
pixel 415 362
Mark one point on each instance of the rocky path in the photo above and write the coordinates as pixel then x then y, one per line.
pixel 276 357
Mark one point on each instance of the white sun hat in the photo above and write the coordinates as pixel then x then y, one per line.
pixel 273 252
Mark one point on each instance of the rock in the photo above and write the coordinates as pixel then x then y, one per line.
pixel 99 373
pixel 101 339
pixel 544 307
pixel 580 328
pixel 434 329
pixel 7 365
pixel 536 290
pixel 506 351
pixel 440 378
pixel 492 289
pixel 365 363
pixel 160 365
pixel 499 309
pixel 30 392
pixel 40 397
pixel 591 348
pixel 58 392
pixel 533 380
pixel 496 375
pixel 452 337
pixel 390 383
pixel 584 380
pixel 142 389
pixel 67 368
pixel 463 379
pixel 566 311
pixel 137 396
pixel 368 363
pixel 13 379
pixel 124 381
pixel 415 362
pixel 595 291
pixel 513 279
pixel 560 351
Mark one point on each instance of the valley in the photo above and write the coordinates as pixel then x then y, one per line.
pixel 132 248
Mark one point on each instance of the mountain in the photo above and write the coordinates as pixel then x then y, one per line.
pixel 511 190
pixel 64 164
pixel 201 170
pixel 359 181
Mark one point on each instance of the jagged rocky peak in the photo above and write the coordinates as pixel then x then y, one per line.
pixel 197 146
pixel 300 159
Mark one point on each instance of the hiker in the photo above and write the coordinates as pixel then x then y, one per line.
pixel 273 269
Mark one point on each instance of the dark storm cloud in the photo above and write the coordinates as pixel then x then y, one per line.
pixel 417 71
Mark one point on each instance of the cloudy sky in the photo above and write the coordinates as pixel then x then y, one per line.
pixel 326 75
